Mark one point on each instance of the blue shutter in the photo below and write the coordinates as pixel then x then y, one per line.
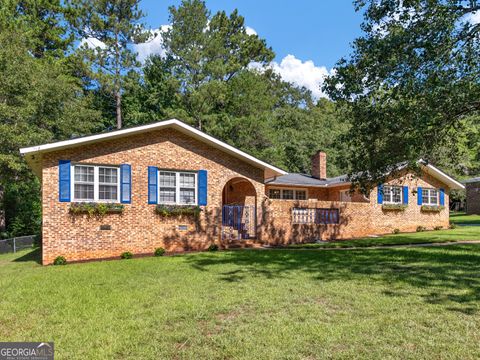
pixel 125 184
pixel 405 195
pixel 419 196
pixel 202 187
pixel 442 197
pixel 380 194
pixel 64 180
pixel 152 184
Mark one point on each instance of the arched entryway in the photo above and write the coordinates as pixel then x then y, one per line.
pixel 239 210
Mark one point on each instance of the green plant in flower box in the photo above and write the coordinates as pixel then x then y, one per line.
pixel 394 207
pixel 99 209
pixel 178 210
pixel 432 208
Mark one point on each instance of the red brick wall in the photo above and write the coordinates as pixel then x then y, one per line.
pixel 139 229
pixel 319 165
pixel 357 218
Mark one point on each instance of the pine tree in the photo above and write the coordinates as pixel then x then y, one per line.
pixel 108 29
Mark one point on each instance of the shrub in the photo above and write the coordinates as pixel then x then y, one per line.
pixel 438 228
pixel 213 247
pixel 60 260
pixel 126 255
pixel 453 225
pixel 421 228
pixel 396 231
pixel 159 251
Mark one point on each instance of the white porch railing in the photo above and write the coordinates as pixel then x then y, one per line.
pixel 315 216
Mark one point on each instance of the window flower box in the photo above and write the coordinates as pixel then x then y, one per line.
pixel 98 209
pixel 178 210
pixel 432 208
pixel 394 207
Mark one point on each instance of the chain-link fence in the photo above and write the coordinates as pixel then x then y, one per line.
pixel 17 243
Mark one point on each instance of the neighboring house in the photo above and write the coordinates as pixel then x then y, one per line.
pixel 243 200
pixel 473 195
pixel 2 210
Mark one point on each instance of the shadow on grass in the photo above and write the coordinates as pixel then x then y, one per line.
pixel 441 275
pixel 34 255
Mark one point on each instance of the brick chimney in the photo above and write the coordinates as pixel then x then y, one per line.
pixel 319 165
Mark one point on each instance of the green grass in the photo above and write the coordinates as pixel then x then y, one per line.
pixel 409 303
pixel 461 233
pixel 462 218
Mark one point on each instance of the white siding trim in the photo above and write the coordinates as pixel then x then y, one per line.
pixel 174 123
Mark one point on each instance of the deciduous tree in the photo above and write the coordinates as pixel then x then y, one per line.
pixel 411 79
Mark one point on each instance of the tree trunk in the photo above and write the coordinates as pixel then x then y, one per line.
pixel 118 95
pixel 118 102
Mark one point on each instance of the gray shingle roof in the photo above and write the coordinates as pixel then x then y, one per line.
pixel 305 180
pixel 472 180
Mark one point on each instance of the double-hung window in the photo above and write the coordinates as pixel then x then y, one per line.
pixel 95 183
pixel 392 194
pixel 430 196
pixel 175 187
pixel 287 194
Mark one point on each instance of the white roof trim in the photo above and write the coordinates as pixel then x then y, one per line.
pixel 440 175
pixel 179 125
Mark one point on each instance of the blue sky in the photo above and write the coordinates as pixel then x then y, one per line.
pixel 318 30
pixel 308 36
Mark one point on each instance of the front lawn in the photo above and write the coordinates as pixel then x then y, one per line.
pixel 462 218
pixel 461 233
pixel 407 303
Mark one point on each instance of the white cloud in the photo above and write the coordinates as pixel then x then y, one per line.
pixel 92 43
pixel 153 45
pixel 301 73
pixel 473 18
pixel 291 69
pixel 250 31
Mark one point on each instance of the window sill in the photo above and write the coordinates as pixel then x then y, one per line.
pixel 79 201
pixel 394 207
pixel 432 208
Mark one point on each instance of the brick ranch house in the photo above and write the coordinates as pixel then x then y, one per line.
pixel 170 185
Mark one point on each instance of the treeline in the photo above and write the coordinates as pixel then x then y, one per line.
pixel 69 68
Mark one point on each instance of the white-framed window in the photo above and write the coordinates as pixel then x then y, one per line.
pixel 95 183
pixel 392 194
pixel 177 187
pixel 430 196
pixel 287 194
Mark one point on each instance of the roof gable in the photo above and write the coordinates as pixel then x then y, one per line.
pixel 33 153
